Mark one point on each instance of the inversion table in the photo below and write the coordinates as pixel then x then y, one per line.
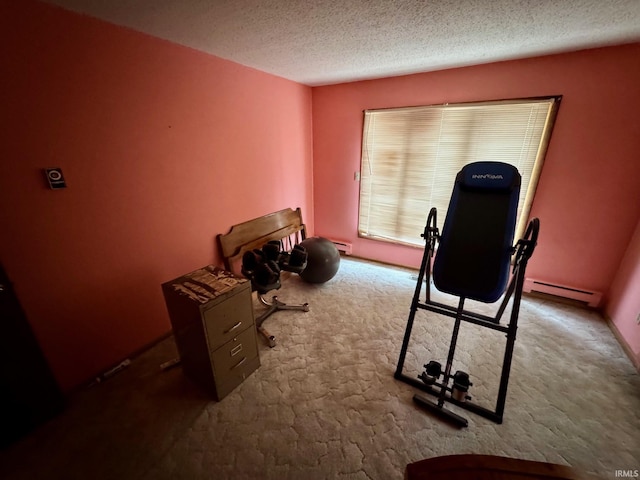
pixel 474 259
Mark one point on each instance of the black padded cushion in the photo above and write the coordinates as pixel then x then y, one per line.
pixel 472 259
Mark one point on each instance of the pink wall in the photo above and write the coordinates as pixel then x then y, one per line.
pixel 162 147
pixel 624 306
pixel 587 198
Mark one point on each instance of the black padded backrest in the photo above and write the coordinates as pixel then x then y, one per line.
pixel 474 251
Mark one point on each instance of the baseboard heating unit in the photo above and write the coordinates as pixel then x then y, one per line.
pixel 592 299
pixel 343 247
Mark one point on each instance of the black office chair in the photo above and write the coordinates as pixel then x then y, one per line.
pixel 263 268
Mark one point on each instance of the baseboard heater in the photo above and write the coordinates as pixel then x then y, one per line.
pixel 343 247
pixel 592 299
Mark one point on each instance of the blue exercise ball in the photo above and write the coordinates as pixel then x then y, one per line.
pixel 323 260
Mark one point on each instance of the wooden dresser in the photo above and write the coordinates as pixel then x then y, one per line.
pixel 211 313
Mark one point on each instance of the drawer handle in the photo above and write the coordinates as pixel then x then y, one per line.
pixel 244 359
pixel 236 350
pixel 237 325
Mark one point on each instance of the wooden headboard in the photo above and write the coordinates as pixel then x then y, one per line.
pixel 285 225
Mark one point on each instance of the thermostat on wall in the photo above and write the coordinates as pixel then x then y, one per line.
pixel 55 178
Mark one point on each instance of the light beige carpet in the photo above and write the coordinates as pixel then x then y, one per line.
pixel 324 404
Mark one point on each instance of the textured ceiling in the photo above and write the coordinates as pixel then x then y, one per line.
pixel 319 42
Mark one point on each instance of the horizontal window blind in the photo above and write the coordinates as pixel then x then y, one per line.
pixel 410 158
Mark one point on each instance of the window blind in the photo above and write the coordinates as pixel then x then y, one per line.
pixel 410 158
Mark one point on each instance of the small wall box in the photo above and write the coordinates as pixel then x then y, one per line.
pixel 55 178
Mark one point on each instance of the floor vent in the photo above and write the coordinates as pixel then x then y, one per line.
pixel 592 299
pixel 343 247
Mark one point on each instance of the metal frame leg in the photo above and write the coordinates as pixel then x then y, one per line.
pixel 523 251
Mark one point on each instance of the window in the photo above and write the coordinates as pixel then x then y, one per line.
pixel 410 158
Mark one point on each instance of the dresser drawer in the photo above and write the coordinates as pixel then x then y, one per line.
pixel 228 319
pixel 236 377
pixel 232 357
